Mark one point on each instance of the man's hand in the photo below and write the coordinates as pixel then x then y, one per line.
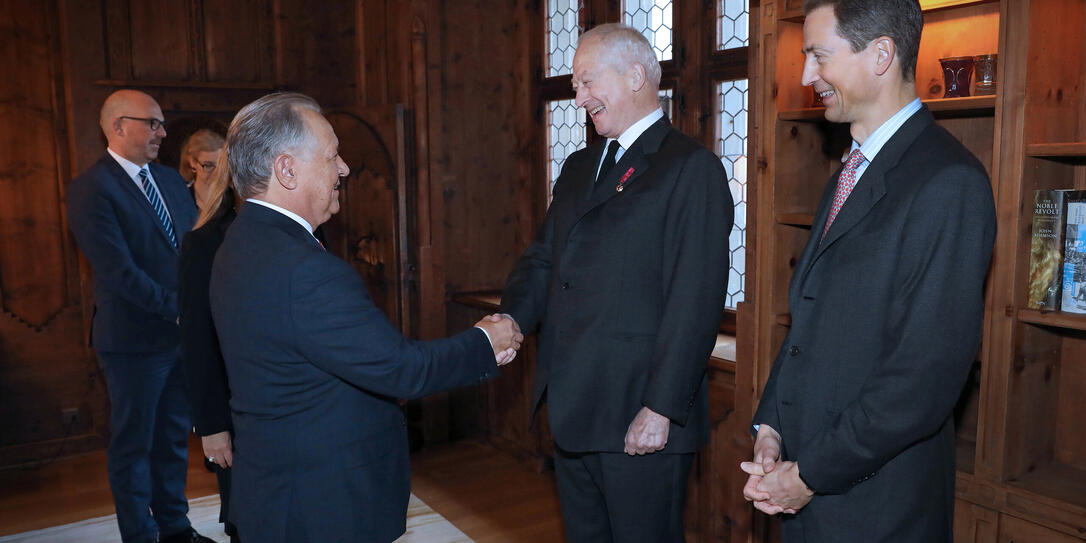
pixel 218 449
pixel 767 452
pixel 647 433
pixel 785 488
pixel 504 335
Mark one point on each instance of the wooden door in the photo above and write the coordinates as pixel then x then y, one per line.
pixel 373 228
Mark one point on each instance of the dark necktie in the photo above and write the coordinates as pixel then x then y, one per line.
pixel 608 161
pixel 157 204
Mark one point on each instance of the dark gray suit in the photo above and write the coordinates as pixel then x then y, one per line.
pixel 886 322
pixel 628 290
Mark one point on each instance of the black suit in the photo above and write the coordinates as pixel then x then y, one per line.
pixel 135 334
pixel 628 289
pixel 886 321
pixel 205 372
pixel 315 369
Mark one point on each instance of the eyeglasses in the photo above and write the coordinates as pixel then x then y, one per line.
pixel 152 123
pixel 209 167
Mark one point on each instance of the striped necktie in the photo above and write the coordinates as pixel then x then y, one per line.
pixel 157 204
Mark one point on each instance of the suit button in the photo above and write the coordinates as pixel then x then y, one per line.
pixel 565 285
pixel 793 350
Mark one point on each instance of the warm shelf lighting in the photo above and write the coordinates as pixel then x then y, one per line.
pixel 939 4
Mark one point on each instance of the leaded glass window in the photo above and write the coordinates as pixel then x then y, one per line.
pixel 653 18
pixel 566 134
pixel 731 144
pixel 733 24
pixel 564 27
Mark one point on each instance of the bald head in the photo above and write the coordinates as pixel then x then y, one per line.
pixel 127 118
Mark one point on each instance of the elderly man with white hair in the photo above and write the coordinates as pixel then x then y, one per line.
pixel 626 282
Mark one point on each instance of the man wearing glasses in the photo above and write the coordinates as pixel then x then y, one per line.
pixel 128 216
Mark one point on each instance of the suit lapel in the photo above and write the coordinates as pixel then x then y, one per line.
pixel 866 194
pixel 634 162
pixel 128 186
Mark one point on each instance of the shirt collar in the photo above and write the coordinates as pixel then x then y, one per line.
pixel 294 216
pixel 627 138
pixel 874 143
pixel 131 168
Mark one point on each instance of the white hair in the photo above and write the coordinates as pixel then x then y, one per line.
pixel 625 44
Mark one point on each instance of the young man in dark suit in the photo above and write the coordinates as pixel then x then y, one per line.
pixel 855 440
pixel 128 215
pixel 315 368
pixel 626 280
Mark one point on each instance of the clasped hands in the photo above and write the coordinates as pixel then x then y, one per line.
pixel 505 336
pixel 773 486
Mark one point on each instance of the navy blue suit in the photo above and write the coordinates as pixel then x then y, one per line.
pixel 320 448
pixel 135 334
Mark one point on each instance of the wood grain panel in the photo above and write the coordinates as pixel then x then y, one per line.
pixel 162 40
pixel 237 41
pixel 32 265
pixel 317 50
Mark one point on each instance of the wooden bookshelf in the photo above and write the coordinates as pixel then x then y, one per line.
pixel 1073 149
pixel 1056 319
pixel 939 107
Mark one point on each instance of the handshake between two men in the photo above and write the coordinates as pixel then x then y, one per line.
pixel 505 336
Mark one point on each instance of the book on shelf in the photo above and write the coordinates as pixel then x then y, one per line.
pixel 1046 250
pixel 1074 254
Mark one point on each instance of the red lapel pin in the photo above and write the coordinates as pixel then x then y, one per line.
pixel 622 182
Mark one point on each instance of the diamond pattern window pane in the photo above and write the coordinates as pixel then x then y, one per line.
pixel 733 27
pixel 653 19
pixel 731 144
pixel 563 29
pixel 565 134
pixel 665 103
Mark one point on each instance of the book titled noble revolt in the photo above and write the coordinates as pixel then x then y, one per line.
pixel 1046 250
pixel 1074 254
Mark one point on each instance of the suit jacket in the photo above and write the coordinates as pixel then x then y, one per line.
pixel 134 262
pixel 628 289
pixel 205 372
pixel 886 323
pixel 315 369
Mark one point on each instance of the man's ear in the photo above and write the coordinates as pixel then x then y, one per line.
pixel 637 77
pixel 885 52
pixel 283 170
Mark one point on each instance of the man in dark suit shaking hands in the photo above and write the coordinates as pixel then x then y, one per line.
pixel 128 215
pixel 320 448
pixel 855 437
pixel 626 280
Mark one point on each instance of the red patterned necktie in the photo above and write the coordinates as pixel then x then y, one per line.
pixel 845 184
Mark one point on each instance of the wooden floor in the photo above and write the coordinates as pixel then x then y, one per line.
pixel 485 493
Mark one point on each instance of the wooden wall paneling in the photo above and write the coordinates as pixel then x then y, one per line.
pixel 116 24
pixel 325 68
pixel 162 43
pixel 44 367
pixel 477 154
pixel 431 276
pixel 238 44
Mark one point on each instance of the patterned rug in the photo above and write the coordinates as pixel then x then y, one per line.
pixel 423 526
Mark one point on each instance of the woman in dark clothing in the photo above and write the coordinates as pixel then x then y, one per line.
pixel 209 392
